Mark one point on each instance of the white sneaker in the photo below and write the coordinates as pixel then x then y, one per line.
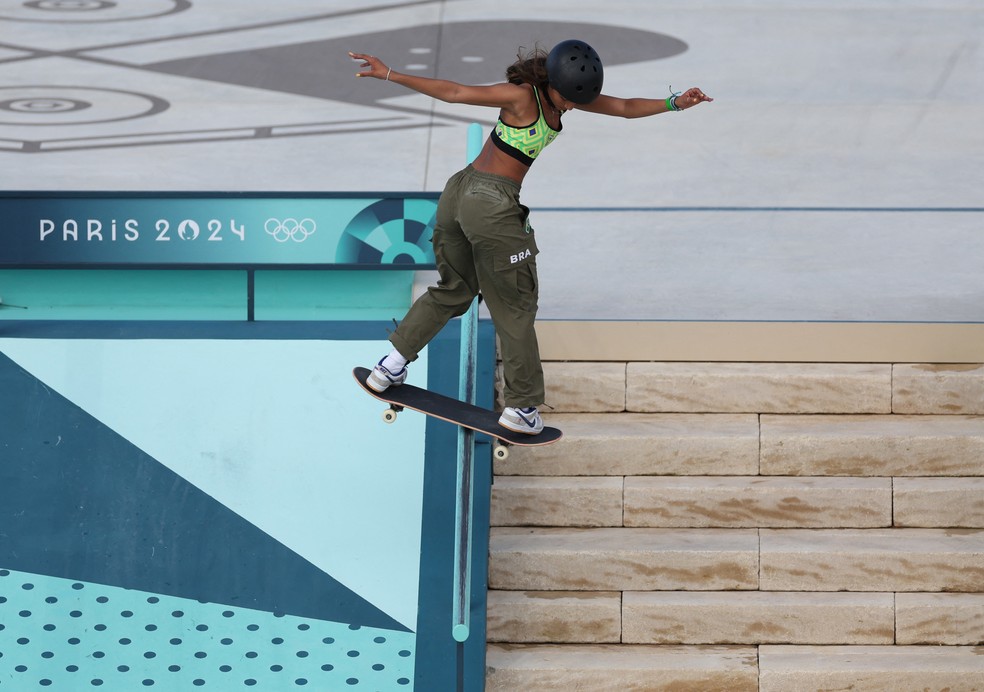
pixel 381 379
pixel 522 420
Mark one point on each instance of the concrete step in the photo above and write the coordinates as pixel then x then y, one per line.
pixel 621 559
pixel 951 619
pixel 942 389
pixel 728 444
pixel 628 444
pixel 757 501
pixel 585 387
pixel 872 560
pixel 769 668
pixel 575 617
pixel 630 559
pixel 916 388
pixel 757 617
pixel 557 501
pixel 870 668
pixel 872 445
pixel 600 668
pixel 939 502
pixel 692 502
pixel 735 617
pixel 758 388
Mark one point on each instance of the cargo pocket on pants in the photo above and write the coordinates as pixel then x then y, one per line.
pixel 523 253
pixel 515 273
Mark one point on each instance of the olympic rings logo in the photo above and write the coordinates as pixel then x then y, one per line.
pixel 290 229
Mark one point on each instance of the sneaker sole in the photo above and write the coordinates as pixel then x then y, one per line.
pixel 377 386
pixel 521 431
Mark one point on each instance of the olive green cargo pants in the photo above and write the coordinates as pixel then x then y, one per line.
pixel 483 242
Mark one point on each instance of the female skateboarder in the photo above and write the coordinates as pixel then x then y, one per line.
pixel 482 237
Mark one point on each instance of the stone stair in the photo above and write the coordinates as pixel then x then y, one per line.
pixel 744 526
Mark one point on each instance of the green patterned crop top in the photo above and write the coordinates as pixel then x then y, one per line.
pixel 525 143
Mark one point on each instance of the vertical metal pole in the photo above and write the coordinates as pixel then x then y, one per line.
pixel 250 295
pixel 467 363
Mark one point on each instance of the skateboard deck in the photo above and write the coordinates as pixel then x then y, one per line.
pixel 453 411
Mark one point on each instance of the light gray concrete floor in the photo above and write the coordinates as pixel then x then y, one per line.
pixel 837 176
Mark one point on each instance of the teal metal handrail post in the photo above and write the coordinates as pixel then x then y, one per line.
pixel 467 366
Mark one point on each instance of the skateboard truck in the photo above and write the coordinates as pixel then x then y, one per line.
pixel 389 415
pixel 500 449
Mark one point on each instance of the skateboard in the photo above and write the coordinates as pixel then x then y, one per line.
pixel 454 411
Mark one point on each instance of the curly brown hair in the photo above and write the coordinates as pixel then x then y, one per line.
pixel 530 68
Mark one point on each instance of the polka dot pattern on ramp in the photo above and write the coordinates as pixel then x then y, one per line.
pixel 61 634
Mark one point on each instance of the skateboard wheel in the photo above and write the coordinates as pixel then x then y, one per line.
pixel 389 415
pixel 501 452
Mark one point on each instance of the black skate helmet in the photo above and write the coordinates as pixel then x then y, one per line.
pixel 574 69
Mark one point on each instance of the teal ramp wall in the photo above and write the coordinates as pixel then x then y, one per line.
pixel 217 505
pixel 194 493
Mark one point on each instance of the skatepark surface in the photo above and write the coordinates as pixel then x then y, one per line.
pixel 836 176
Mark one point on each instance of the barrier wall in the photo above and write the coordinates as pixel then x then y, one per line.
pixel 192 498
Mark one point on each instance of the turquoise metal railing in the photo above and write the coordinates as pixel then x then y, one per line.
pixel 467 362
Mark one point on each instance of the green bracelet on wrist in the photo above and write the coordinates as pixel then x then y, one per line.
pixel 671 104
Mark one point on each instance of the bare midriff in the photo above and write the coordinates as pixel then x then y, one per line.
pixel 491 160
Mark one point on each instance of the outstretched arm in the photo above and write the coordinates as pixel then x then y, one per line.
pixel 642 107
pixel 505 95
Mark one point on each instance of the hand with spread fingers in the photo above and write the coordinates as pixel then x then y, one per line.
pixel 377 68
pixel 690 98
